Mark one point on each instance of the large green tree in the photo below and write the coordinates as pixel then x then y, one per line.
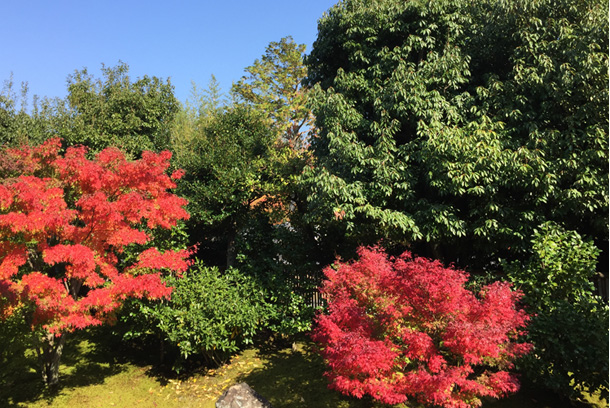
pixel 117 111
pixel 457 127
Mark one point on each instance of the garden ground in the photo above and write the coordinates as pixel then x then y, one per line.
pixel 97 374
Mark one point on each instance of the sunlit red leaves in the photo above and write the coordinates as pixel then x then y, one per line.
pixel 34 160
pixel 64 219
pixel 33 206
pixel 176 261
pixel 49 296
pixel 406 327
pixel 13 257
pixel 79 262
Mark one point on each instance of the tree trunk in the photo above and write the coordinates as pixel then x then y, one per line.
pixel 231 250
pixel 49 353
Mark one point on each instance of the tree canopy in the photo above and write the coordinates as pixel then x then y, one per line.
pixel 116 111
pixel 439 130
pixel 228 168
pixel 274 86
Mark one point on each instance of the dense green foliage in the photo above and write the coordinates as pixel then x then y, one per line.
pixel 98 112
pixel 116 111
pixel 284 260
pixel 228 168
pixel 439 130
pixel 210 314
pixel 570 324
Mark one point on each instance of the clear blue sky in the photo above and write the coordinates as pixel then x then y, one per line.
pixel 45 41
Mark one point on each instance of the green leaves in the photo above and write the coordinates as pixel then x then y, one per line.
pixel 229 165
pixel 210 314
pixel 114 111
pixel 473 136
pixel 557 282
pixel 273 87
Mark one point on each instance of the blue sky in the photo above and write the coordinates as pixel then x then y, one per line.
pixel 45 41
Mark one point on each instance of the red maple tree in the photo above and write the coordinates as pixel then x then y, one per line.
pixel 64 221
pixel 405 327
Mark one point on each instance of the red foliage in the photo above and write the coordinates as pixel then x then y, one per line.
pixel 407 327
pixel 64 219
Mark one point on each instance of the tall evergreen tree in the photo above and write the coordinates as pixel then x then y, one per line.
pixel 273 86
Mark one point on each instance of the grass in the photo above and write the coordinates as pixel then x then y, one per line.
pixel 94 374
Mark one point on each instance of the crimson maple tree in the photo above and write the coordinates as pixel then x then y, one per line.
pixel 64 222
pixel 407 327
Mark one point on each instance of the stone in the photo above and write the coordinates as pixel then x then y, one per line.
pixel 242 396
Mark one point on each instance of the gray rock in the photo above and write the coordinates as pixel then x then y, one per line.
pixel 241 396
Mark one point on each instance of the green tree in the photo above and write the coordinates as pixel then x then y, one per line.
pixel 274 86
pixel 21 122
pixel 439 131
pixel 228 175
pixel 280 246
pixel 116 111
pixel 202 107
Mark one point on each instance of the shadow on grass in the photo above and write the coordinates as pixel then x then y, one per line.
pixel 289 377
pixel 294 379
pixel 84 362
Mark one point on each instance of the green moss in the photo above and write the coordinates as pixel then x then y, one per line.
pixel 93 375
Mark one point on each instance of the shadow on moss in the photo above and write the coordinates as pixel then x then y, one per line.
pixel 293 378
pixel 83 363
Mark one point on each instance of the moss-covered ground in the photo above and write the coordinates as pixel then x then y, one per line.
pixel 95 374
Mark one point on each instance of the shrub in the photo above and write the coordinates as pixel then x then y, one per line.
pixel 210 314
pixel 569 329
pixel 406 327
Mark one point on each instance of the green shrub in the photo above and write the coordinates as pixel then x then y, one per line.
pixel 16 336
pixel 570 329
pixel 211 314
